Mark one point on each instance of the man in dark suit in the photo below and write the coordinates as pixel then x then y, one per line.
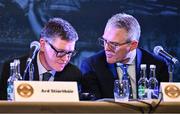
pixel 120 41
pixel 57 46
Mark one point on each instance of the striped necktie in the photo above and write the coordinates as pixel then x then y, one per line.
pixel 46 76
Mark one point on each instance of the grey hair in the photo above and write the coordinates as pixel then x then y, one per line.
pixel 126 21
pixel 59 27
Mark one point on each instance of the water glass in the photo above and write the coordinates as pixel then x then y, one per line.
pixel 121 90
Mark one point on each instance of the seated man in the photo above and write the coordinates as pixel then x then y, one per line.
pixel 57 46
pixel 120 41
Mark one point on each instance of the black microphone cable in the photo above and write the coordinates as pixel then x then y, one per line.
pixel 156 106
pixel 123 104
pixel 151 107
pixel 146 103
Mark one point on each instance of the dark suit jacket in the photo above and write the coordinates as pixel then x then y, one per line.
pixel 70 73
pixel 98 79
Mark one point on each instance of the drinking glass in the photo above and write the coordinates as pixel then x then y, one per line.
pixel 121 90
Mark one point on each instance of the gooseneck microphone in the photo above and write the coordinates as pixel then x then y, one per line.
pixel 34 48
pixel 158 50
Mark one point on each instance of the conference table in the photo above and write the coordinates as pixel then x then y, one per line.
pixel 153 106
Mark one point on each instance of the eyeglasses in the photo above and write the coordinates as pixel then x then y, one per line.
pixel 112 45
pixel 61 53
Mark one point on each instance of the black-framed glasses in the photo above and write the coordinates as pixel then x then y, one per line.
pixel 61 53
pixel 112 45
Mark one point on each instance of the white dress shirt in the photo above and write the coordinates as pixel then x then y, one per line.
pixel 131 71
pixel 42 70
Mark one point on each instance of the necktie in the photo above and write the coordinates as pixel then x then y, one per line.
pixel 46 76
pixel 126 76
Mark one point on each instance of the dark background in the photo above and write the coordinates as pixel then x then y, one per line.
pixel 22 20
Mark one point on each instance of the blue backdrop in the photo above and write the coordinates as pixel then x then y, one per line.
pixel 22 20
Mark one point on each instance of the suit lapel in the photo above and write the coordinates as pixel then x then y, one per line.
pixel 106 72
pixel 138 63
pixel 104 68
pixel 105 76
pixel 36 71
pixel 58 76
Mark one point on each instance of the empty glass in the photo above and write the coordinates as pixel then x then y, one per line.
pixel 121 90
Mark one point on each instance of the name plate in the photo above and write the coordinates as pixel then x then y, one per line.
pixel 46 91
pixel 171 91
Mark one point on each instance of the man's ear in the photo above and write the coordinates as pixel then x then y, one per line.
pixel 42 44
pixel 134 44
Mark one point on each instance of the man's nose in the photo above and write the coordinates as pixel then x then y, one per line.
pixel 107 46
pixel 65 57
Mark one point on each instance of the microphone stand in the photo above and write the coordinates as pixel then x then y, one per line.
pixel 31 72
pixel 27 67
pixel 35 46
pixel 171 65
pixel 170 71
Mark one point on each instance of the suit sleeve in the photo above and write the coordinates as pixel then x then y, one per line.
pixel 90 81
pixel 3 81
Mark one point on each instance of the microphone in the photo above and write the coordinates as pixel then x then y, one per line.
pixel 34 48
pixel 158 50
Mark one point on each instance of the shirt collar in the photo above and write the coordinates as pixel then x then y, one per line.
pixel 132 59
pixel 41 68
pixel 132 56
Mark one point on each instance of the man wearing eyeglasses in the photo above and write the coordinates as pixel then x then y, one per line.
pixel 120 41
pixel 57 46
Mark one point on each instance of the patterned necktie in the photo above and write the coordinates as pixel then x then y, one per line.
pixel 126 76
pixel 46 76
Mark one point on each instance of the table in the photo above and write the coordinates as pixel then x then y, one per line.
pixel 88 107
